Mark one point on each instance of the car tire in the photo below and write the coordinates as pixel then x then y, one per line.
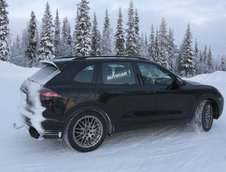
pixel 203 117
pixel 85 131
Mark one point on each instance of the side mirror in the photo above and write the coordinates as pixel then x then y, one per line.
pixel 177 83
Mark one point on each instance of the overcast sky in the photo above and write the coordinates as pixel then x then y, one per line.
pixel 207 17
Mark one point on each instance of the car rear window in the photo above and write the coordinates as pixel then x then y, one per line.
pixel 43 73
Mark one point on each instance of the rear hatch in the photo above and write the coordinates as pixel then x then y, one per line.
pixel 30 88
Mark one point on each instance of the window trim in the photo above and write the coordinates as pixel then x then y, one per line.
pixel 94 78
pixel 100 78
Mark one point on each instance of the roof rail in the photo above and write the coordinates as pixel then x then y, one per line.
pixel 86 57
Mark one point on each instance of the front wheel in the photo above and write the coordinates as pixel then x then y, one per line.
pixel 86 131
pixel 203 117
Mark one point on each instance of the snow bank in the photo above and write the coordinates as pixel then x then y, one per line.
pixel 171 148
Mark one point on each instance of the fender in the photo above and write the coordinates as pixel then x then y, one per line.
pixel 213 99
pixel 84 107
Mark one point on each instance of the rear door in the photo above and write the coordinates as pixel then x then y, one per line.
pixel 117 92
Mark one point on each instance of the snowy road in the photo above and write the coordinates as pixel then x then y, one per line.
pixel 171 148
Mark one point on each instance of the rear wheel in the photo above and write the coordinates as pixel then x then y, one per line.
pixel 203 117
pixel 86 131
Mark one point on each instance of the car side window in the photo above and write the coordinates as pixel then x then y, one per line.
pixel 152 75
pixel 117 73
pixel 85 75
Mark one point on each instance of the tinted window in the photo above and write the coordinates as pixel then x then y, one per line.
pixel 118 73
pixel 43 73
pixel 85 75
pixel 152 74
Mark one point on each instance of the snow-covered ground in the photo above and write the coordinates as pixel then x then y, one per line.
pixel 171 148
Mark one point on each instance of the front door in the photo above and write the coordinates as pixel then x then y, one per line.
pixel 158 101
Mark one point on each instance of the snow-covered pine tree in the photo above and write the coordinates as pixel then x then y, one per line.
pixel 172 49
pixel 95 38
pixel 66 49
pixel 151 46
pixel 201 62
pixel 107 37
pixel 131 47
pixel 210 60
pixel 197 58
pixel 119 36
pixel 143 46
pixel 57 40
pixel 24 43
pixel 205 60
pixel 164 44
pixel 187 64
pixel 178 60
pixel 75 33
pixel 157 57
pixel 137 35
pixel 16 54
pixel 4 31
pixel 30 52
pixel 16 47
pixel 222 66
pixel 46 49
pixel 82 30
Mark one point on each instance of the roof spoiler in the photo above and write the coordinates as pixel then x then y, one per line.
pixel 60 66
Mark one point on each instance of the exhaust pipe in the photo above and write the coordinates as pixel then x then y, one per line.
pixel 34 133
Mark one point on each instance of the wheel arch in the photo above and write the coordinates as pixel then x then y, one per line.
pixel 96 109
pixel 214 103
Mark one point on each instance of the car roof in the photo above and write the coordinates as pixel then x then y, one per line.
pixel 99 58
pixel 65 61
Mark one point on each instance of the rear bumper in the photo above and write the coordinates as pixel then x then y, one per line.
pixel 40 127
pixel 41 134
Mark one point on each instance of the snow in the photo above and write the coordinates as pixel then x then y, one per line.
pixel 171 148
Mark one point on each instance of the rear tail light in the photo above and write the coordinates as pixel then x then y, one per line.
pixel 47 94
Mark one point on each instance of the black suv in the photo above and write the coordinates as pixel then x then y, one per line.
pixel 83 99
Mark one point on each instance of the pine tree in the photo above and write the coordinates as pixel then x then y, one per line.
pixel 4 31
pixel 151 46
pixel 30 52
pixel 95 38
pixel 210 61
pixel 24 43
pixel 75 33
pixel 66 48
pixel 201 62
pixel 164 43
pixel 137 35
pixel 187 64
pixel 222 66
pixel 16 47
pixel 107 37
pixel 171 45
pixel 119 36
pixel 157 56
pixel 82 30
pixel 144 45
pixel 16 54
pixel 197 58
pixel 131 47
pixel 205 61
pixel 57 40
pixel 172 49
pixel 46 49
